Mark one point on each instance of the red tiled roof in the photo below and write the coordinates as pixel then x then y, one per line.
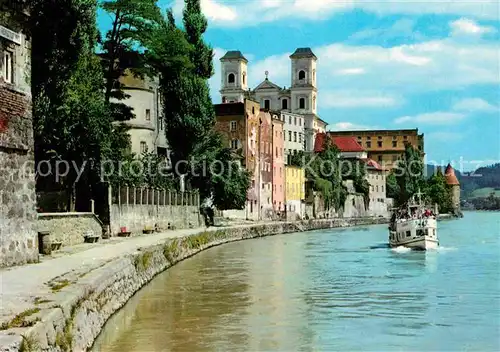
pixel 373 164
pixel 345 144
pixel 450 176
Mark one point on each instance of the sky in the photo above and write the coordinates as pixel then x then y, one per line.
pixel 431 65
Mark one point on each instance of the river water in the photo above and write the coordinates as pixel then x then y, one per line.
pixel 335 290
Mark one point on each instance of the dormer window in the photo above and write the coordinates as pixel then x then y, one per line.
pixel 230 78
pixel 302 74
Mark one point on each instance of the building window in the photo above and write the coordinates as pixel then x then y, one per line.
pixel 379 138
pixel 380 158
pixel 284 104
pixel 302 74
pixel 394 144
pixel 267 104
pixel 148 115
pixel 7 67
pixel 368 138
pixel 295 121
pixel 376 187
pixel 379 143
pixel 300 121
pixel 302 103
pixel 289 136
pixel 295 136
pixel 405 137
pixel 230 78
pixel 233 126
pixel 244 77
pixel 284 136
pixel 300 137
pixel 382 188
pixel 144 147
pixel 160 123
pixel 314 102
pixel 234 144
pixel 368 144
pixel 289 120
pixel 276 151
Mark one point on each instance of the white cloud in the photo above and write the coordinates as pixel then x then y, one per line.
pixel 356 99
pixel 432 118
pixel 350 71
pixel 349 126
pixel 468 26
pixel 254 12
pixel 475 105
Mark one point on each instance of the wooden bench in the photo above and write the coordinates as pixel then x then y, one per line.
pixel 91 237
pixel 148 230
pixel 55 245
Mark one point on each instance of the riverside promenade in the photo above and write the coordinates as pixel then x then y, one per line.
pixel 22 285
pixel 63 302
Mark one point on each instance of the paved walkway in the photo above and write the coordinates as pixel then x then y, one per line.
pixel 21 285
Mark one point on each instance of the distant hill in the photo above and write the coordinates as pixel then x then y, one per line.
pixel 479 183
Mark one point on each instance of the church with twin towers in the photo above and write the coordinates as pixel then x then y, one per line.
pixel 300 98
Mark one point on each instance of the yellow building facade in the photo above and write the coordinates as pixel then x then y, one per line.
pixel 385 146
pixel 295 190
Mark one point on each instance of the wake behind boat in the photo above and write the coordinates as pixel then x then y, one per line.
pixel 413 226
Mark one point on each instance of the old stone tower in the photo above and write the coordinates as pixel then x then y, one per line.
pixel 452 181
pixel 18 239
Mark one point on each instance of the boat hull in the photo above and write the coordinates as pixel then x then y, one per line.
pixel 420 244
pixel 415 234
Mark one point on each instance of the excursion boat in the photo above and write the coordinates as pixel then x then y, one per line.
pixel 413 226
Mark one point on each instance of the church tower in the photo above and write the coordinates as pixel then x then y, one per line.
pixel 304 93
pixel 234 80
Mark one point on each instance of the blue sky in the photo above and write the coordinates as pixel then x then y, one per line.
pixel 430 64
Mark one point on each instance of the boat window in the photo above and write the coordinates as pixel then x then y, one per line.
pixel 408 234
pixel 420 232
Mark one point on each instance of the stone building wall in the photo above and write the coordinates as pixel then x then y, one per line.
pixel 69 228
pixel 18 244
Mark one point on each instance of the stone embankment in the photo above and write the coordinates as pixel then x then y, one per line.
pixel 78 304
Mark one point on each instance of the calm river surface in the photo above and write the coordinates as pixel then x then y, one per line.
pixel 335 290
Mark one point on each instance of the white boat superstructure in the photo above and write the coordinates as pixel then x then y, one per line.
pixel 413 226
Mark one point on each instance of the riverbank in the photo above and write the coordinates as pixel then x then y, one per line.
pixel 62 304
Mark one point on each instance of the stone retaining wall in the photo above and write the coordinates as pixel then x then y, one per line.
pixel 74 317
pixel 69 228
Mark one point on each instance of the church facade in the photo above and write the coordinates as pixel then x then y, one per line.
pixel 301 98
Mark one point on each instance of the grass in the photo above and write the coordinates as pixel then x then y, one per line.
pixel 39 300
pixel 19 321
pixel 29 344
pixel 484 192
pixel 142 261
pixel 59 285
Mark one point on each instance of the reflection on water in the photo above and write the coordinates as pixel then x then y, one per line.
pixel 323 291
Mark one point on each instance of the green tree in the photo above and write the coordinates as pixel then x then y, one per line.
pixel 409 174
pixel 133 22
pixel 392 186
pixel 438 192
pixel 70 119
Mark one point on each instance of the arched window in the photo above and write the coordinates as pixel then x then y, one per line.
pixel 284 104
pixel 302 74
pixel 244 77
pixel 302 103
pixel 230 78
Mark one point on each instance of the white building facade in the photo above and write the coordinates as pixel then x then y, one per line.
pixel 300 99
pixel 147 128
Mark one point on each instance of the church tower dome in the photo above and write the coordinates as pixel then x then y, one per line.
pixel 234 79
